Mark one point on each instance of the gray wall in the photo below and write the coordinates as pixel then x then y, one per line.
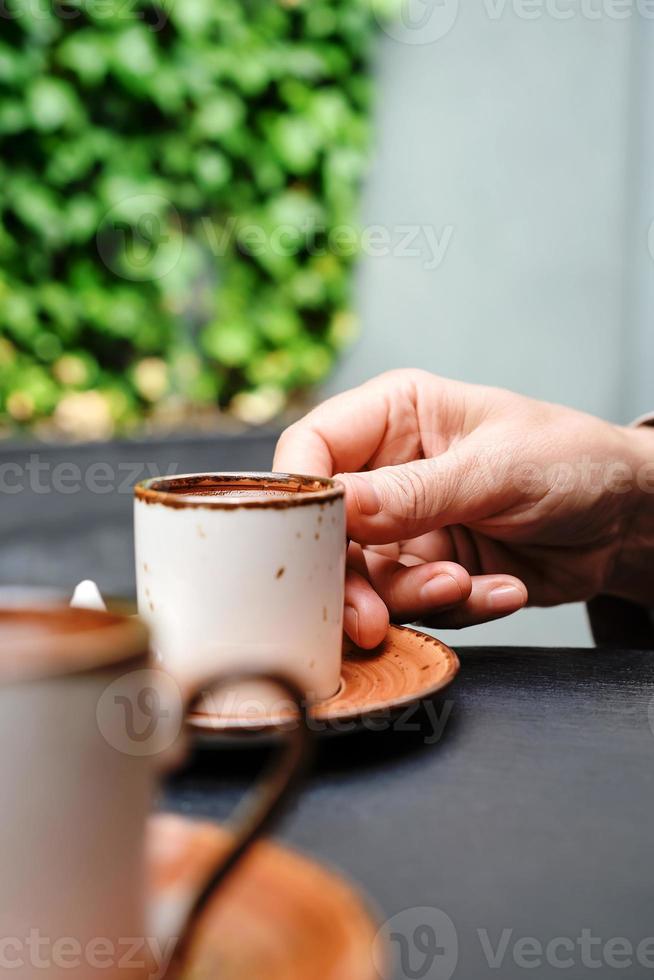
pixel 638 389
pixel 517 135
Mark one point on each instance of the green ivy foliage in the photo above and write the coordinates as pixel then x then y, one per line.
pixel 178 195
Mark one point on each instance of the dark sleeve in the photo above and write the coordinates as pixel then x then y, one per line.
pixel 618 622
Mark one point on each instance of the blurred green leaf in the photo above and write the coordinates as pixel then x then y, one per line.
pixel 194 16
pixel 231 343
pixel 212 169
pixel 86 53
pixel 11 65
pixel 133 53
pixel 218 114
pixel 39 209
pixel 52 103
pixel 297 142
pixel 13 117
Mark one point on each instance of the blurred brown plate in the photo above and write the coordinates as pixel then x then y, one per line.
pixel 278 916
pixel 406 668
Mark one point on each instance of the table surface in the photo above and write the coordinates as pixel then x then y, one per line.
pixel 530 816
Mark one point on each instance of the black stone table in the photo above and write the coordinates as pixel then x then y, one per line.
pixel 528 824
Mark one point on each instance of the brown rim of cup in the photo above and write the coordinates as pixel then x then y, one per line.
pixel 193 490
pixel 55 640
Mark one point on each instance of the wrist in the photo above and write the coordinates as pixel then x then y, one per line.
pixel 631 574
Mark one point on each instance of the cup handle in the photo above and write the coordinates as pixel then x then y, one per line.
pixel 260 808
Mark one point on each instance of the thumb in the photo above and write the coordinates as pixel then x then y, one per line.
pixel 394 503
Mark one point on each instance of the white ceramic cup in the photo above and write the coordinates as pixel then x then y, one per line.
pixel 85 724
pixel 239 570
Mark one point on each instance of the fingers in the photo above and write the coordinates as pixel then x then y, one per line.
pixel 439 594
pixel 345 432
pixel 399 502
pixel 303 449
pixel 411 592
pixel 365 617
pixel 340 434
pixel 492 597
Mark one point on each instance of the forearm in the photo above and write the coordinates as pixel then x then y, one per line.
pixel 632 576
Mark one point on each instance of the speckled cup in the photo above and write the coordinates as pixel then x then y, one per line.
pixel 244 570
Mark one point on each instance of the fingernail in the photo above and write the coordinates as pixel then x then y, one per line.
pixel 441 589
pixel 505 597
pixel 367 498
pixel 351 623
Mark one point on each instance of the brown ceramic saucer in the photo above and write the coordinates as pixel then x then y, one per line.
pixel 278 916
pixel 406 668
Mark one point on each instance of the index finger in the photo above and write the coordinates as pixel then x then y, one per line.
pixel 340 435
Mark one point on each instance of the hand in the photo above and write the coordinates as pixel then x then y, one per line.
pixel 463 501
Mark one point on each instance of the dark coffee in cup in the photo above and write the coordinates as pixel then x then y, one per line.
pixel 227 486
